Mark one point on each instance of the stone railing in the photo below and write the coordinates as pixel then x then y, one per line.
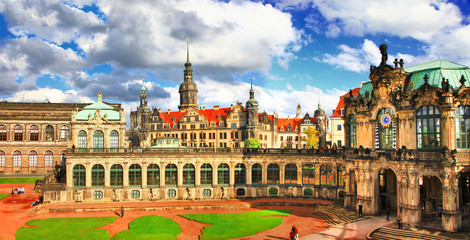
pixel 428 155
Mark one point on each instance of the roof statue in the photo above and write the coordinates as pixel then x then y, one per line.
pixel 383 51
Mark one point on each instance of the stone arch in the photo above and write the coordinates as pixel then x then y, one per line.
pixel 430 198
pixel 385 189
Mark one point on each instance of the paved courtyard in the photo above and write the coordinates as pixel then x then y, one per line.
pixel 15 211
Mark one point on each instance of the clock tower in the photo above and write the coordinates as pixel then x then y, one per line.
pixel 188 89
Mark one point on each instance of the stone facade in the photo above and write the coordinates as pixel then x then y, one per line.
pixel 414 122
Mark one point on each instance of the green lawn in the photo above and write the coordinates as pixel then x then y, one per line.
pixel 2 196
pixel 150 227
pixel 19 179
pixel 227 226
pixel 66 228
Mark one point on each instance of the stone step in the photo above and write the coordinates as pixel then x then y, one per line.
pixel 340 214
pixel 328 219
pixel 392 233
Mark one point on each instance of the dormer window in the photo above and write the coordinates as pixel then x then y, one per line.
pixel 342 111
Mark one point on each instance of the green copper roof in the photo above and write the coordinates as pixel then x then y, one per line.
pixel 106 111
pixel 437 70
pixel 366 87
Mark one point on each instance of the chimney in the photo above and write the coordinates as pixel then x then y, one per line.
pixel 169 110
pixel 216 108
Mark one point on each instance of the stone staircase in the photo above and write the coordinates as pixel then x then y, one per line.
pixel 399 234
pixel 335 216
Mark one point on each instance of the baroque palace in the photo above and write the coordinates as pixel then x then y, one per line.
pixel 406 145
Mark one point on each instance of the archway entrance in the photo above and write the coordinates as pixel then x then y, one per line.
pixel 387 191
pixel 350 200
pixel 430 192
pixel 464 192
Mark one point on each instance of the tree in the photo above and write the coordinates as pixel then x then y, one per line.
pixel 252 143
pixel 312 138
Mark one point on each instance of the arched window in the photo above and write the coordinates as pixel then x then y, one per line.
pixel 340 176
pixel 256 174
pixel 3 133
pixel 2 158
pixel 352 132
pixel 33 158
pixel 308 174
pixel 64 133
pixel 290 174
pixel 18 133
pixel 171 175
pixel 116 175
pixel 385 129
pixel 16 158
pixel 462 127
pixel 114 139
pixel 153 175
pixel 428 127
pixel 326 175
pixel 135 175
pixel 49 133
pixel 273 174
pixel 82 139
pixel 223 174
pixel 97 175
pixel 48 159
pixel 34 133
pixel 79 176
pixel 188 175
pixel 98 141
pixel 240 174
pixel 206 174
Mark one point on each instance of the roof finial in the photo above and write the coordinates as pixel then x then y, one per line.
pixel 100 96
pixel 319 105
pixel 187 48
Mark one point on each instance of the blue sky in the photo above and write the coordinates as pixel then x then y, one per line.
pixel 297 51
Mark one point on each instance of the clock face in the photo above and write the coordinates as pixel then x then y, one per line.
pixel 386 120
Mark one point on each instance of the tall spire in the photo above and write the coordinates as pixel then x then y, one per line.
pixel 187 50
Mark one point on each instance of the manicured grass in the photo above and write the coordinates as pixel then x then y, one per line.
pixel 19 179
pixel 2 196
pixel 65 228
pixel 150 227
pixel 227 226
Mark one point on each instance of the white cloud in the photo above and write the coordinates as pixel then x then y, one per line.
pixel 356 60
pixel 50 20
pixel 48 95
pixel 436 23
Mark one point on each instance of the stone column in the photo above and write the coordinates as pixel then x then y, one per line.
pixel 125 175
pixel 451 218
pixel 107 175
pixel 231 174
pixel 180 175
pixel 282 174
pixel 162 175
pixel 88 175
pixel 248 174
pixel 215 178
pixel 197 174
pixel 264 174
pixel 69 175
pixel 144 174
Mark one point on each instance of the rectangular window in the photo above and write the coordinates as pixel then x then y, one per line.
pixel 338 127
pixel 234 125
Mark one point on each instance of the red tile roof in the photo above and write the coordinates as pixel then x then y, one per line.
pixel 294 122
pixel 209 114
pixel 337 112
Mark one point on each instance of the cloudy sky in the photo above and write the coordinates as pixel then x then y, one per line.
pixel 295 51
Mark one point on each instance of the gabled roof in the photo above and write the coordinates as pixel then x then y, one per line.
pixel 209 114
pixel 294 122
pixel 337 112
